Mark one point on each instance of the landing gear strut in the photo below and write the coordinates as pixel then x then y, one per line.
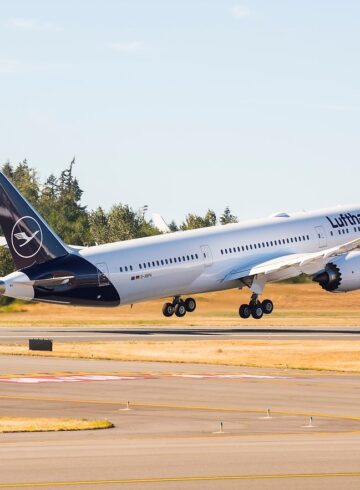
pixel 179 307
pixel 256 308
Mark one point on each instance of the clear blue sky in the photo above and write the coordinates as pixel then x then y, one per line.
pixel 185 105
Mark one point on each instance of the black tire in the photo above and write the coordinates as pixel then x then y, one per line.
pixel 190 305
pixel 267 306
pixel 180 309
pixel 168 309
pixel 244 311
pixel 257 311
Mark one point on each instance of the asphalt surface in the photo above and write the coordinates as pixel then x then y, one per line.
pixel 98 333
pixel 170 438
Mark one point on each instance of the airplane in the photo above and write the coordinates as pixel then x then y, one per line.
pixel 323 244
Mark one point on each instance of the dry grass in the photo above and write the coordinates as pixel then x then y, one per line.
pixel 295 305
pixel 329 355
pixel 23 424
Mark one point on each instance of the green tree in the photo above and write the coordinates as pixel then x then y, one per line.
pixel 227 217
pixel 194 221
pixel 60 204
pixel 173 226
pixel 99 226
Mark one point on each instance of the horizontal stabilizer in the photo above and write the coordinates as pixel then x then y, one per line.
pixel 50 282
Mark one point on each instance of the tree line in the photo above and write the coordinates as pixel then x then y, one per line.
pixel 59 201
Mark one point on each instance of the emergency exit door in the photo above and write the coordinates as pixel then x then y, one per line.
pixel 207 255
pixel 321 235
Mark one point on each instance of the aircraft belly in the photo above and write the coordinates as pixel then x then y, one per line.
pixel 155 284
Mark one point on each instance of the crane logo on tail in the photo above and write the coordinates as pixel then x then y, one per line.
pixel 26 237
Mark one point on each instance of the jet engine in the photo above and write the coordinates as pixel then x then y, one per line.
pixel 341 274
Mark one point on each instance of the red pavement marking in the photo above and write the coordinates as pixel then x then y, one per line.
pixel 88 378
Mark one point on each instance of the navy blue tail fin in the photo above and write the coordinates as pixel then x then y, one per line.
pixel 29 238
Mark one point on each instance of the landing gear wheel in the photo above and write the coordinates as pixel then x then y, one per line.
pixel 267 306
pixel 257 311
pixel 180 309
pixel 168 309
pixel 190 305
pixel 244 311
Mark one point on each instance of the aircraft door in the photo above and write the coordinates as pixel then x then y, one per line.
pixel 207 255
pixel 103 274
pixel 321 234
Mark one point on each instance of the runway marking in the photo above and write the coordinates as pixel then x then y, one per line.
pixel 183 479
pixel 34 378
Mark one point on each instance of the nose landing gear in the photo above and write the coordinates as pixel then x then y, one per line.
pixel 179 307
pixel 256 308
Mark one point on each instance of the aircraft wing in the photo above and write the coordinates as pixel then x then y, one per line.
pixel 295 264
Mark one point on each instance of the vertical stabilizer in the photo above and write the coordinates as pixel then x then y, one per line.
pixel 29 238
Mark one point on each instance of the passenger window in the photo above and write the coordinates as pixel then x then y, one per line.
pixel 192 257
pixel 247 248
pixel 126 269
pixel 196 256
pixel 120 269
pixel 140 266
pixel 131 268
pixel 238 249
pixel 144 265
pixel 166 261
pixel 162 262
pixel 250 247
pixel 170 261
pixel 254 245
pixel 153 264
pixel 157 263
pixel 188 257
pixel 292 240
pixel 149 264
pixel 226 250
pixel 175 260
pixel 243 248
pixel 295 239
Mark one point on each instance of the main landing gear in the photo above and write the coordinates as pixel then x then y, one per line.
pixel 179 306
pixel 256 308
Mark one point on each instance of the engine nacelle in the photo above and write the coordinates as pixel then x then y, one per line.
pixel 341 274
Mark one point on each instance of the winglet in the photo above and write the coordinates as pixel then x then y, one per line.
pixel 160 223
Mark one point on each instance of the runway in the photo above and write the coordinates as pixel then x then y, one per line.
pixel 17 335
pixel 171 438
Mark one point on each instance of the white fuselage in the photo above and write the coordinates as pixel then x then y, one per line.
pixel 196 261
